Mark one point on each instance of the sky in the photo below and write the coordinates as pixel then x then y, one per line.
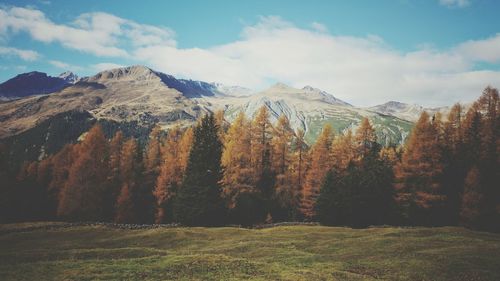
pixel 429 52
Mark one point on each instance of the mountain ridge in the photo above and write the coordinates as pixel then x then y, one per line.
pixel 142 96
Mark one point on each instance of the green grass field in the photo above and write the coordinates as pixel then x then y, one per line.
pixel 280 253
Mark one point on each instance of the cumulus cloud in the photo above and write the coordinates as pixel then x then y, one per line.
pixel 105 66
pixel 455 3
pixel 27 55
pixel 361 70
pixel 487 50
pixel 100 34
pixel 65 66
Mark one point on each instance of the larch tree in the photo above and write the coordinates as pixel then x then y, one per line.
pixel 261 153
pixel 114 178
pixel 185 146
pixel 152 158
pixel 170 177
pixel 419 174
pixel 299 164
pixel 343 151
pixel 126 204
pixel 236 160
pixel 83 193
pixel 471 199
pixel 320 164
pixel 365 138
pixel 454 164
pixel 61 164
pixel 489 106
pixel 284 195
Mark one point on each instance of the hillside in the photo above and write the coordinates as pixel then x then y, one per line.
pixel 50 251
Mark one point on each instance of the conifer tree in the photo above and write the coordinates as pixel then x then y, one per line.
pixel 298 169
pixel 114 178
pixel 454 164
pixel 261 157
pixel 489 106
pixel 172 170
pixel 419 174
pixel 343 151
pixel 152 158
pixel 471 199
pixel 127 205
pixel 284 194
pixel 365 138
pixel 82 196
pixel 199 201
pixel 61 164
pixel 261 140
pixel 236 160
pixel 320 164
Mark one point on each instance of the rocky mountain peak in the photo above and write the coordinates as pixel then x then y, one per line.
pixel 69 77
pixel 281 86
pixel 135 72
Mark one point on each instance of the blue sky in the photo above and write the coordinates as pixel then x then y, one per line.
pixel 432 52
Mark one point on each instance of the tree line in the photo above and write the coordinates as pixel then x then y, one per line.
pixel 251 171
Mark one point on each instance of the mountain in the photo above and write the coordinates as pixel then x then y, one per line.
pixel 133 93
pixel 309 109
pixel 231 91
pixel 410 112
pixel 135 98
pixel 31 83
pixel 69 77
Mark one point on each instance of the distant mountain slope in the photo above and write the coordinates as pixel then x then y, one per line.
pixel 309 109
pixel 410 112
pixel 31 83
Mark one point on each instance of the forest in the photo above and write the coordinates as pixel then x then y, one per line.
pixel 251 171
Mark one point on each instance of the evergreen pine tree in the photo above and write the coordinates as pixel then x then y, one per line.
pixel 198 201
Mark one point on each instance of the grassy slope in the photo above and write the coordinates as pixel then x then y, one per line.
pixel 281 253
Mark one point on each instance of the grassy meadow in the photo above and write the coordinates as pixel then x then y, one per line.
pixel 49 251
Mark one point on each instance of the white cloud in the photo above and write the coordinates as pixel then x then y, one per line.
pixel 65 66
pixel 100 34
pixel 361 70
pixel 487 50
pixel 27 55
pixel 105 66
pixel 455 3
pixel 319 27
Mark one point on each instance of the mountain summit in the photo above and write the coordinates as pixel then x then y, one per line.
pixel 69 77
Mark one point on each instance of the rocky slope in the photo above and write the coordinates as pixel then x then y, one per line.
pixel 309 109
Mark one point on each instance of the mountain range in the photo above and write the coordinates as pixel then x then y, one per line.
pixel 137 97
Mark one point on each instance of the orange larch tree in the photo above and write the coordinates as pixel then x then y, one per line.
pixel 320 164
